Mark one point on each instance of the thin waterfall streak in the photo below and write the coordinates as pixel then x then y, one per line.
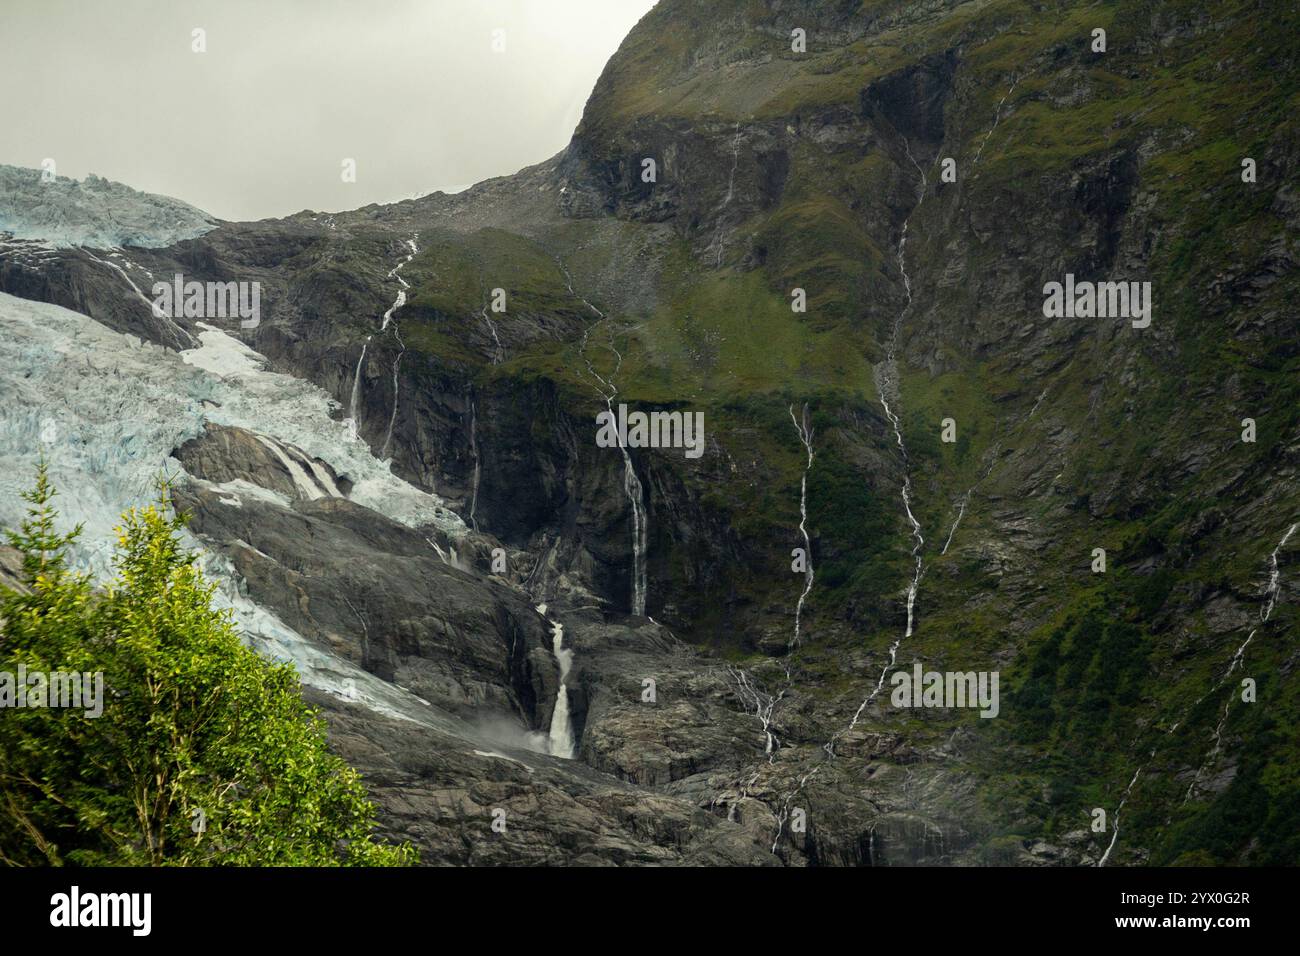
pixel 965 500
pixel 720 239
pixel 399 302
pixel 1114 837
pixel 171 326
pixel 473 447
pixel 356 391
pixel 804 430
pixel 631 483
pixel 953 530
pixel 997 116
pixel 498 353
pixel 766 713
pixel 1266 611
pixel 886 382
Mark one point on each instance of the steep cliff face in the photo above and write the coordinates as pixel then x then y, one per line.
pixel 917 173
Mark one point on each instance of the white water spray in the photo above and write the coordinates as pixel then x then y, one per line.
pixel 561 742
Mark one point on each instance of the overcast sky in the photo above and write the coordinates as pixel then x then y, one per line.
pixel 260 124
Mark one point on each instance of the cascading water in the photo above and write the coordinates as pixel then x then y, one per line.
pixel 631 483
pixel 561 740
pixel 1119 809
pixel 354 405
pixel 388 318
pixel 762 704
pixel 965 499
pixel 1266 611
pixel 478 465
pixel 720 241
pixel 498 351
pixel 997 116
pixel 886 384
pixel 805 436
pixel 180 338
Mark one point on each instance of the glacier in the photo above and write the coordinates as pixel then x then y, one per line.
pixel 105 409
pixel 93 212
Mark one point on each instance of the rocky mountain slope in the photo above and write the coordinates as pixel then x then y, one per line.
pixel 921 171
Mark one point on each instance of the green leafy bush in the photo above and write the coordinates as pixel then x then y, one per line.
pixel 204 754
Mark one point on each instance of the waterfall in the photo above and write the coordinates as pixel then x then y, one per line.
pixel 1265 612
pixel 960 512
pixel 561 736
pixel 719 240
pixel 388 317
pixel 175 330
pixel 764 705
pixel 886 383
pixel 478 465
pixel 401 292
pixel 354 421
pixel 392 418
pixel 1123 800
pixel 631 483
pixel 965 499
pixel 805 436
pixel 1271 591
pixel 498 353
pixel 997 115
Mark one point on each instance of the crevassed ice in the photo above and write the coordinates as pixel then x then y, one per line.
pixel 298 412
pixel 105 410
pixel 93 212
